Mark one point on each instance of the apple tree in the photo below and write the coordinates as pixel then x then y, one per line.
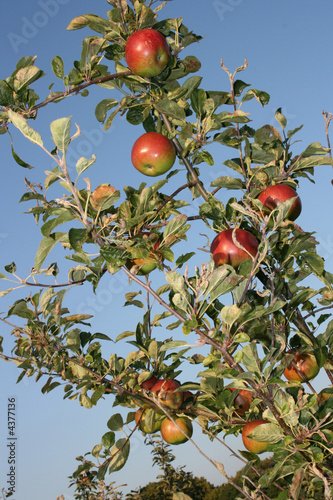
pixel 253 304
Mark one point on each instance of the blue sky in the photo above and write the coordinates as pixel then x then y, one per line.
pixel 289 51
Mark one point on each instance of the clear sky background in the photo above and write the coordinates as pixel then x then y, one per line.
pixel 288 46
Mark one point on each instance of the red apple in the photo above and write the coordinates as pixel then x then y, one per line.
pixel 251 444
pixel 303 368
pixel 147 52
pixel 153 154
pixel 224 250
pixel 100 195
pixel 167 394
pixel 172 434
pixel 274 195
pixel 242 401
pixel 140 417
pixel 149 383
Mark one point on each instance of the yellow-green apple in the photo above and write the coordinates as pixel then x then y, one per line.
pixel 172 434
pixel 225 251
pixel 251 444
pixel 276 194
pixel 147 264
pixel 302 368
pixel 167 393
pixel 147 52
pixel 153 154
pixel 100 195
pixel 140 420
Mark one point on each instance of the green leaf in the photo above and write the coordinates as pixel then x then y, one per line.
pixel 21 309
pixel 174 225
pixel 103 107
pixel 296 484
pixel 184 258
pixel 102 470
pixel 21 123
pixel 269 433
pixel 18 160
pixel 60 129
pixel 6 94
pixel 250 358
pixel 46 246
pixel 315 148
pixel 135 116
pixel 108 439
pixel 228 182
pixel 96 450
pixel 119 454
pixel 97 394
pixel 306 163
pixel 58 67
pixel 236 117
pixel 230 314
pixel 115 423
pixel 78 23
pixel 10 268
pixel 48 227
pixel 173 344
pixel 198 99
pixel 124 335
pixel 314 261
pixel 76 238
pixel 191 84
pixel 171 109
pixel 25 76
pixel 84 163
pixel 281 118
pixel 176 280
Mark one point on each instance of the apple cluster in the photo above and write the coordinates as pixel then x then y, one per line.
pixel 167 394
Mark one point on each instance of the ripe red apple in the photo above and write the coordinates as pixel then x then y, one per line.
pixel 224 250
pixel 147 52
pixel 251 444
pixel 242 401
pixel 276 194
pixel 303 368
pixel 100 195
pixel 167 394
pixel 172 434
pixel 153 154
pixel 140 417
pixel 148 264
pixel 149 383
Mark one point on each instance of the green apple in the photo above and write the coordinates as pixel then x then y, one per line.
pixel 140 420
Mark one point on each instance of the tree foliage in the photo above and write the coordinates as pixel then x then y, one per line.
pixel 249 319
